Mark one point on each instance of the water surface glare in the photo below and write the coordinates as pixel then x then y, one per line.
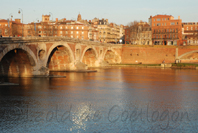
pixel 121 99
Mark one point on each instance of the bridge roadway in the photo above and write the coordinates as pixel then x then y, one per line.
pixel 24 57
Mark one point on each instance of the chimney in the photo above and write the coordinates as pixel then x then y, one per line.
pixel 56 20
pixel 178 17
pixel 18 20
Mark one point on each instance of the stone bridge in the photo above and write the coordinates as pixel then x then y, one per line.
pixel 25 57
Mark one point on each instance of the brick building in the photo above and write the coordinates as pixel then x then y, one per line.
pixel 166 30
pixel 190 33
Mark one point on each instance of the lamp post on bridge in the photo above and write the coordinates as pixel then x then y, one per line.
pixel 21 11
pixel 10 16
pixel 52 23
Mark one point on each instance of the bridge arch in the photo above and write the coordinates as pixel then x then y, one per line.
pixel 23 47
pixel 111 56
pixel 66 53
pixel 183 55
pixel 91 57
pixel 18 61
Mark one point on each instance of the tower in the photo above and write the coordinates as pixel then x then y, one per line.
pixel 79 17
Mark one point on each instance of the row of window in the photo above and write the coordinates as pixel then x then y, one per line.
pixel 165 30
pixel 191 41
pixel 166 36
pixel 60 32
pixel 163 19
pixel 164 24
pixel 191 28
pixel 61 27
pixel 4 25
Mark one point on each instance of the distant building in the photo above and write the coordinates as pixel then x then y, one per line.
pixel 166 30
pixel 190 33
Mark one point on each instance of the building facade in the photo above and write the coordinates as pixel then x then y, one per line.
pixel 190 33
pixel 166 30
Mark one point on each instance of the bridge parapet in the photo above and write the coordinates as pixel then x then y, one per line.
pixel 14 40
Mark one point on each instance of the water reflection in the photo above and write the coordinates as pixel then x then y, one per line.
pixel 124 99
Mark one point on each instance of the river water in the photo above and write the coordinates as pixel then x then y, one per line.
pixel 120 99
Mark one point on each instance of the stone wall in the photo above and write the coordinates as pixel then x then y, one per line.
pixel 147 55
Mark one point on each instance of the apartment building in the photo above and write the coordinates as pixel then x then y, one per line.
pixel 190 33
pixel 166 30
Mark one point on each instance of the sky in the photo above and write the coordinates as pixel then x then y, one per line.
pixel 116 11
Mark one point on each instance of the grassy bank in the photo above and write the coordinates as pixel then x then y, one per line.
pixel 138 65
pixel 184 65
pixel 175 66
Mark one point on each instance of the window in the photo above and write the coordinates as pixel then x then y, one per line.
pixel 165 19
pixel 82 37
pixel 165 24
pixel 39 27
pixel 158 24
pixel 45 27
pixel 186 28
pixel 158 19
pixel 76 32
pixel 77 37
pixel 66 32
pixel 71 36
pixel 0 24
pixel 61 32
pixel 82 27
pixel 162 19
pixel 66 27
pixel 154 24
pixel 72 27
pixel 71 32
pixel 172 23
pixel 154 19
pixel 191 28
pixel 61 27
pixel 82 32
pixel 77 27
pixel 39 31
pixel 167 30
pixel 6 25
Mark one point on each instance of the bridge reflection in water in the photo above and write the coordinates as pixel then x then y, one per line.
pixel 112 100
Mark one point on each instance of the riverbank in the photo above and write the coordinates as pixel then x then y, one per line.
pixel 174 65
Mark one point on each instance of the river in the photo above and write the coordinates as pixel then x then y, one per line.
pixel 116 99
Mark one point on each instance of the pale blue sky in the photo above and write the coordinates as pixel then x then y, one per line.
pixel 117 11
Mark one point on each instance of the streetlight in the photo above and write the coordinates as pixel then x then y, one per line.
pixel 52 23
pixel 37 20
pixel 21 11
pixel 10 16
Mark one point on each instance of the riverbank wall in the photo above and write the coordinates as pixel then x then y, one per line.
pixel 133 54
